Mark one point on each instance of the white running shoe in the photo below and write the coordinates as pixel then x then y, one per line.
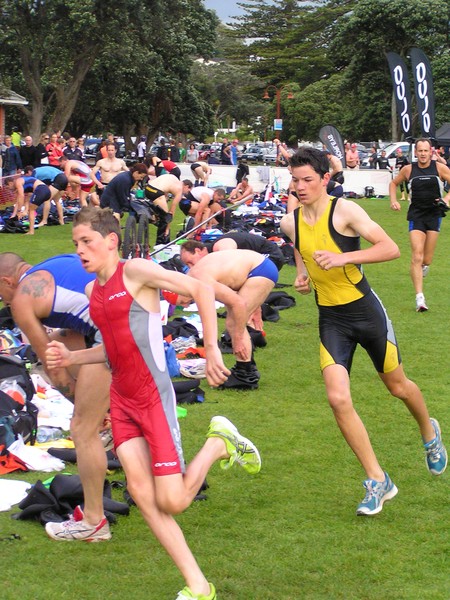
pixel 76 529
pixel 421 305
pixel 425 270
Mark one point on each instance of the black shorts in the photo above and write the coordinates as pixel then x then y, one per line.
pixel 363 322
pixel 40 195
pixel 425 223
pixel 195 166
pixel 60 182
pixel 152 193
pixel 185 206
pixel 100 190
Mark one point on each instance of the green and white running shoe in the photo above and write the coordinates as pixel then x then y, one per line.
pixel 241 450
pixel 187 594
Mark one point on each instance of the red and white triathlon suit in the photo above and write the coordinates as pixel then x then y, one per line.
pixel 143 402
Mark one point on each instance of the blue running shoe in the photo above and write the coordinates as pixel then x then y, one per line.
pixel 436 457
pixel 377 492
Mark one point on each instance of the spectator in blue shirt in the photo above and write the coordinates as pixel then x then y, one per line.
pixel 12 163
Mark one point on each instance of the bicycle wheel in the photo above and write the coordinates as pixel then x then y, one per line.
pixel 142 236
pixel 129 238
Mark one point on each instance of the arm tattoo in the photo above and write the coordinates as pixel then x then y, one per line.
pixel 36 287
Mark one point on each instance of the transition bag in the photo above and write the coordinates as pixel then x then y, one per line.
pixel 16 393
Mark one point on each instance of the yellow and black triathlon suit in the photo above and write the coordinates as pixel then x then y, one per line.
pixel 350 312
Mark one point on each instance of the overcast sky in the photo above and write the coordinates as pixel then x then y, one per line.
pixel 225 9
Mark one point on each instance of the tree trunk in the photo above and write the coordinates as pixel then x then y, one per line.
pixel 67 95
pixel 34 118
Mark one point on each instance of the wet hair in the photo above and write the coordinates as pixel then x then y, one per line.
pixel 312 157
pixel 139 168
pixel 220 192
pixel 191 246
pixel 149 160
pixel 99 219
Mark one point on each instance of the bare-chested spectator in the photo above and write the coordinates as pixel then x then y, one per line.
pixel 243 192
pixel 108 168
pixel 158 191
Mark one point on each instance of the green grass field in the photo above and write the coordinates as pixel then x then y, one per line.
pixel 289 533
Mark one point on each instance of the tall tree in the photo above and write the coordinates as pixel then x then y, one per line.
pixel 48 48
pixel 289 39
pixel 140 50
pixel 231 91
pixel 359 48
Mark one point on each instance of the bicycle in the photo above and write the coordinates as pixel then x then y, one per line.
pixel 136 235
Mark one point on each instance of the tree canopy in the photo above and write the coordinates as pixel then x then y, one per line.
pixel 335 50
pixel 125 62
pixel 132 66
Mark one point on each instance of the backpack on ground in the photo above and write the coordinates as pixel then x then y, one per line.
pixel 16 394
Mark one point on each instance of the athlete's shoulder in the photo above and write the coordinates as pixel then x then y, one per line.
pixel 443 170
pixel 35 293
pixel 287 222
pixel 138 267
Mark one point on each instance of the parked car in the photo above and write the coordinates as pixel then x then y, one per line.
pixel 271 158
pixel 204 150
pixel 391 152
pixel 255 153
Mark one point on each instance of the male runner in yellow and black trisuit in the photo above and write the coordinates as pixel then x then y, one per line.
pixel 326 233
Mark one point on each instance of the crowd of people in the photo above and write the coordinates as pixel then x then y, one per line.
pixel 120 300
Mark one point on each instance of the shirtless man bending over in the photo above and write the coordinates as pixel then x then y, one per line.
pixel 79 173
pixel 157 191
pixel 242 280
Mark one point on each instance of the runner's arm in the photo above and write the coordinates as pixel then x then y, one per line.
pixel 350 218
pixel 142 273
pixel 302 281
pixel 58 356
pixel 444 174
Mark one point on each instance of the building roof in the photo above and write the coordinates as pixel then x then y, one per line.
pixel 10 97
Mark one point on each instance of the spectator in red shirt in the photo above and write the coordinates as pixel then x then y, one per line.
pixel 54 151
